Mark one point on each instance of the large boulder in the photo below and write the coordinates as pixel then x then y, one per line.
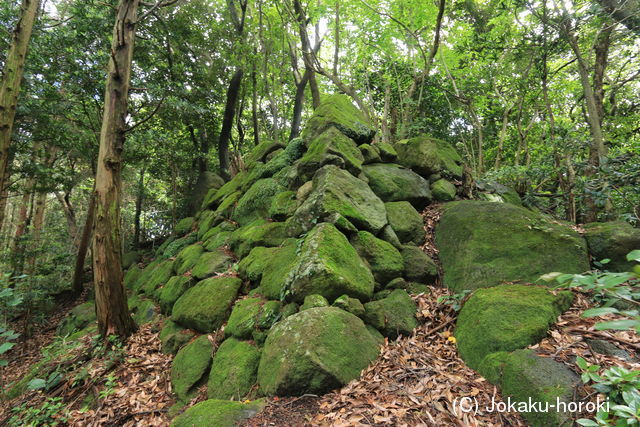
pixel 337 192
pixel 156 278
pixel 383 258
pixel 612 240
pixel 418 267
pixel 234 370
pixel 268 268
pixel 315 351
pixel 429 156
pixel 329 266
pixel 394 183
pixel 211 263
pixel 187 258
pixel 483 244
pixel 392 316
pixel 172 290
pixel 190 367
pixel 79 317
pixel 218 413
pixel 251 315
pixel 173 337
pixel 523 376
pixel 506 318
pixel 331 147
pixel 256 201
pixel 338 111
pixel 406 222
pixel 258 233
pixel 207 181
pixel 206 306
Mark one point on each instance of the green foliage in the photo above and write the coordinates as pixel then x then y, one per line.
pixel 52 412
pixel 620 387
pixel 456 301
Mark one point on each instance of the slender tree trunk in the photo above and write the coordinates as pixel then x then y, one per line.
pixel 83 245
pixel 315 91
pixel 38 222
pixel 10 88
pixel 139 201
pixel 233 92
pixel 111 300
pixel 70 216
pixel 298 105
pixel 254 107
pixel 503 136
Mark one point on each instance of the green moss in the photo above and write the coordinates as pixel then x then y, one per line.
pixel 387 152
pixel 337 110
pixel 130 258
pixel 526 377
pixel 211 263
pixel 418 267
pixel 187 258
pixel 184 226
pixel 173 337
pixel 269 267
pixel 258 233
pixel 172 290
pixel 78 318
pixel 177 245
pixel 483 244
pixel 337 191
pixel 331 147
pixel 394 183
pixel 313 301
pixel 406 222
pixel 506 318
pixel 227 206
pixel 234 370
pixel 218 413
pixel 613 240
pixel 329 266
pixel 144 311
pixel 236 184
pixel 428 156
pixel 393 315
pixel 218 240
pixel 443 190
pixel 289 310
pixel 222 227
pixel 244 317
pixel 255 202
pixel 370 153
pixel 283 205
pixel 131 276
pixel 190 366
pixel 157 278
pixel 260 152
pixel 205 222
pixel 352 305
pixel 206 306
pixel 325 348
pixel 384 259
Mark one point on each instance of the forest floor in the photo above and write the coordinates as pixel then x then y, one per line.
pixel 416 380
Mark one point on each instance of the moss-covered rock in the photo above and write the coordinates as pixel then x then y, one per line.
pixel 413 288
pixel 207 182
pixel 206 306
pixel 244 318
pixel 315 351
pixel 382 257
pixel 131 276
pixel 235 185
pixel 613 240
pixel 268 268
pixel 211 263
pixel 206 222
pixel 260 152
pixel 173 337
pixel 370 153
pixel 387 152
pixel 224 211
pixel 331 147
pixel 258 233
pixel 418 267
pixel 176 245
pixel 143 310
pixel 526 377
pixel 443 190
pixel 337 191
pixel 338 111
pixel 256 201
pixel 175 287
pixel 216 241
pixel 234 370
pixel 482 244
pixel 130 258
pixel 329 266
pixel 352 305
pixel 393 315
pixel 158 277
pixel 184 226
pixel 506 318
pixel 78 318
pixel 187 258
pixel 406 222
pixel 429 156
pixel 394 183
pixel 496 192
pixel 289 310
pixel 314 301
pixel 218 413
pixel 283 205
pixel 190 367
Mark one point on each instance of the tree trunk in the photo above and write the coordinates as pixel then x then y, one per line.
pixel 227 122
pixel 10 88
pixel 83 245
pixel 38 222
pixel 298 105
pixel 70 216
pixel 254 108
pixel 111 300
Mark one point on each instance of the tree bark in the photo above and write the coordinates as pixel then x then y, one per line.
pixel 227 122
pixel 111 300
pixel 139 201
pixel 70 216
pixel 10 88
pixel 83 245
pixel 298 105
